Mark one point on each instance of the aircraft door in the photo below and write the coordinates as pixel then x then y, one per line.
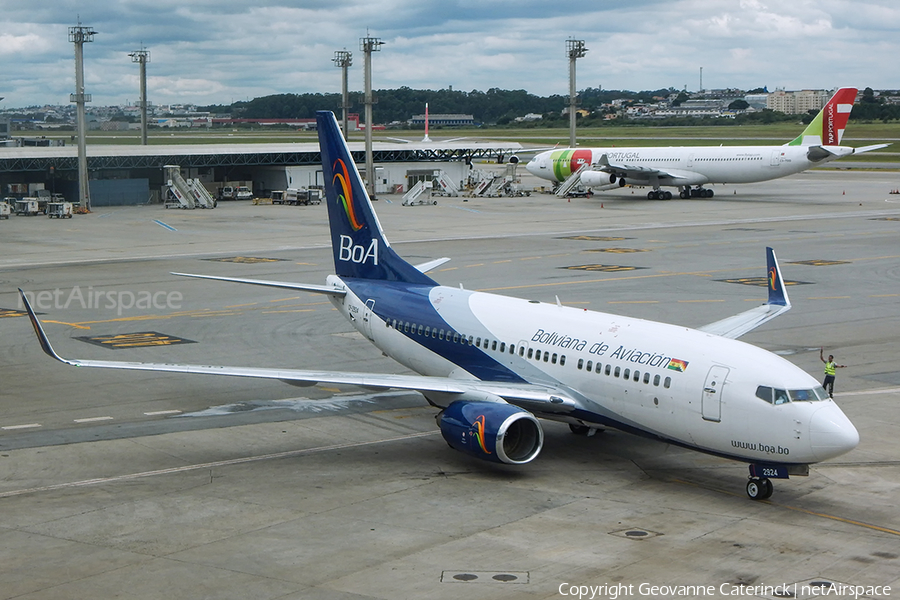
pixel 368 316
pixel 711 402
pixel 776 158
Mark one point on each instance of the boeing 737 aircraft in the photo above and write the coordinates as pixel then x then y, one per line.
pixel 494 365
pixel 690 168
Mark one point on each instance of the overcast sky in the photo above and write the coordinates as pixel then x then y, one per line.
pixel 219 51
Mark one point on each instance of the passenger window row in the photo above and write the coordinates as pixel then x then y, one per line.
pixel 538 355
pixel 451 336
pixel 547 356
pixel 626 374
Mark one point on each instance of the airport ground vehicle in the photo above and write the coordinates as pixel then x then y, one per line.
pixel 27 207
pixel 4 210
pixel 60 210
pixel 297 196
pixel 243 193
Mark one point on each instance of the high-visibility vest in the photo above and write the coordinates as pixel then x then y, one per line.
pixel 829 368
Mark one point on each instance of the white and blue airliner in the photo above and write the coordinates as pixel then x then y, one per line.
pixel 495 366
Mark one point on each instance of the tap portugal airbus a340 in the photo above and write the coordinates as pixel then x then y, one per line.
pixel 690 168
pixel 495 365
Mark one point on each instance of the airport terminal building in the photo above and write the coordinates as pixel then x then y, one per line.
pixel 121 175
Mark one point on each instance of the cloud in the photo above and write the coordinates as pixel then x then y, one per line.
pixel 216 51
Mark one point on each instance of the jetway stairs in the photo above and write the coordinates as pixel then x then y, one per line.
pixel 189 193
pixel 416 196
pixel 491 186
pixel 571 182
pixel 447 185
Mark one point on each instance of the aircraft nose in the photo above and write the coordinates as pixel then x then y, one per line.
pixel 831 433
pixel 532 166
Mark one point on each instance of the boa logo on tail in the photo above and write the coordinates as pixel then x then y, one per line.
pixel 342 177
pixel 773 279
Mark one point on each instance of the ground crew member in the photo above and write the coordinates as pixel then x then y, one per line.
pixel 830 366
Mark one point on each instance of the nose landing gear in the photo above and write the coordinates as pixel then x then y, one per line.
pixel 759 488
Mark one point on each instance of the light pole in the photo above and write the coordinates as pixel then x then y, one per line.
pixel 344 59
pixel 369 45
pixel 79 35
pixel 143 57
pixel 574 49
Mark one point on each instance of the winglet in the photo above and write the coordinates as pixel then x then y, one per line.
pixel 778 303
pixel 777 293
pixel 39 331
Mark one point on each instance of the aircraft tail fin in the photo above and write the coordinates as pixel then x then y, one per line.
pixel 360 248
pixel 777 293
pixel 827 128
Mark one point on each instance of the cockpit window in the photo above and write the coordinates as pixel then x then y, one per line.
pixel 813 395
pixel 802 395
pixel 764 393
pixel 777 396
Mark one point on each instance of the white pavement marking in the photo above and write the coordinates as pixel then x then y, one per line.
pixel 27 426
pixel 93 419
pixel 870 392
pixel 156 413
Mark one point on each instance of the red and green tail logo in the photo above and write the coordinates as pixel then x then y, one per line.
pixel 342 177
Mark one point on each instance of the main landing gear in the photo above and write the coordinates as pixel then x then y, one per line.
pixel 659 195
pixel 583 430
pixel 698 192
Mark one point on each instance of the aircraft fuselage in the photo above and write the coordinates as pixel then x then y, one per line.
pixel 668 382
pixel 697 165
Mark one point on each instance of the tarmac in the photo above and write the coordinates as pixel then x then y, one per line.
pixel 144 485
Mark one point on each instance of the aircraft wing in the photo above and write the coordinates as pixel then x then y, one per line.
pixel 536 397
pixel 777 304
pixel 634 171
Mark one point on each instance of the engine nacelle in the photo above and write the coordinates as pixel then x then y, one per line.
pixel 513 160
pixel 493 431
pixel 597 179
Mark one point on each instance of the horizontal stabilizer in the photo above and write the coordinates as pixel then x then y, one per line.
pixel 431 264
pixel 869 148
pixel 304 287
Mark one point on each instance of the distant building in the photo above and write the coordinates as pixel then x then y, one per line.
pixel 445 120
pixel 797 103
pixel 695 108
pixel 581 112
pixel 757 101
pixel 529 118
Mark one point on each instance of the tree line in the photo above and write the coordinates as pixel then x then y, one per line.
pixel 501 107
